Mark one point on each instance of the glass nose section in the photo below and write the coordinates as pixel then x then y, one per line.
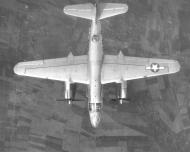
pixel 95 107
pixel 94 118
pixel 95 113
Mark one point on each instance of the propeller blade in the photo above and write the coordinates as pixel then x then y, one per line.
pixel 73 100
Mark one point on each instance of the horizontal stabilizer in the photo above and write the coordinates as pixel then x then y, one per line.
pixel 86 11
pixel 92 12
pixel 111 9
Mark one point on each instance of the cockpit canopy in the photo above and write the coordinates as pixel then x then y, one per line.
pixel 95 107
pixel 95 38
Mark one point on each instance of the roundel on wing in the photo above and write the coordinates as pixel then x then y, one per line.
pixel 154 67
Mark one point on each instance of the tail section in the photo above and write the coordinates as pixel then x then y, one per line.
pixel 111 9
pixel 86 11
pixel 97 11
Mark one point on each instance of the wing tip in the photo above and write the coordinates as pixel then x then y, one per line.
pixel 178 66
pixel 19 69
pixel 125 8
pixel 65 9
pixel 175 66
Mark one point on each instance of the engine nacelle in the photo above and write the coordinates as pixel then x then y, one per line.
pixel 68 93
pixel 122 97
pixel 123 93
pixel 123 89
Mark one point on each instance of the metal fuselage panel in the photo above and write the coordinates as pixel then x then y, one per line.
pixel 95 60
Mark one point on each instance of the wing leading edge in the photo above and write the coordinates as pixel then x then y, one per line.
pixel 117 68
pixel 71 68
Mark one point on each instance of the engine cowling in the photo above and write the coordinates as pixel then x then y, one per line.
pixel 68 93
pixel 122 97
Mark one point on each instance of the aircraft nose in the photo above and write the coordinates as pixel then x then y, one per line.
pixel 19 69
pixel 95 119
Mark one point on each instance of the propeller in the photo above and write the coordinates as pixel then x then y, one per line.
pixel 73 99
pixel 119 100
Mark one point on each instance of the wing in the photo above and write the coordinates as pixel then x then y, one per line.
pixel 117 68
pixel 72 68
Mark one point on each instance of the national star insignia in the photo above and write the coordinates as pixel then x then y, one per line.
pixel 155 67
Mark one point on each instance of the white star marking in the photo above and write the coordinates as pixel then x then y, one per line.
pixel 155 67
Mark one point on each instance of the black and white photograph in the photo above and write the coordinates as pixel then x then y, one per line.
pixel 94 75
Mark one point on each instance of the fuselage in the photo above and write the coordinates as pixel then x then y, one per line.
pixel 95 60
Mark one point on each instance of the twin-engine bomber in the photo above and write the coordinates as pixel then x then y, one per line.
pixel 96 69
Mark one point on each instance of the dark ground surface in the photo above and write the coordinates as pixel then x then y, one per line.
pixel 157 119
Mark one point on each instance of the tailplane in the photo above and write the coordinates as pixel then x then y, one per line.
pixel 111 9
pixel 86 11
pixel 95 12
